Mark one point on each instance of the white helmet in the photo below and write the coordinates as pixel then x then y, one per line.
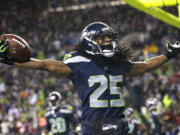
pixel 54 99
pixel 129 111
pixel 151 103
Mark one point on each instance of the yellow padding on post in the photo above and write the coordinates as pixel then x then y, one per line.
pixel 160 3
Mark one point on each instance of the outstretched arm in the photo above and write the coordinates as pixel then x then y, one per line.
pixel 152 63
pixel 54 66
pixel 148 65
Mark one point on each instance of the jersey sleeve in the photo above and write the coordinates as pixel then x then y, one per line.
pixel 70 116
pixel 72 119
pixel 48 126
pixel 75 62
pixel 125 66
pixel 71 61
pixel 128 65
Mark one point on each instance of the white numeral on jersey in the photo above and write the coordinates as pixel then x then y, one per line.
pixel 102 80
pixel 114 90
pixel 95 102
pixel 58 125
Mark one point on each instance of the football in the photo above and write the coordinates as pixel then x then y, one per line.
pixel 19 49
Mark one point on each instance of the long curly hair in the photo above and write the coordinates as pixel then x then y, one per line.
pixel 124 52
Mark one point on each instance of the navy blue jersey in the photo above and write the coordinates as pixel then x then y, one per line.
pixel 98 87
pixel 155 123
pixel 58 122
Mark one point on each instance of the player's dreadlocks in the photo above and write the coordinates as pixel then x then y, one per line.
pixel 124 52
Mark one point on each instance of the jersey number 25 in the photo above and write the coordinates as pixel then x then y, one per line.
pixel 94 100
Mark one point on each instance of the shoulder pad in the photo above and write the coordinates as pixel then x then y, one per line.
pixel 65 111
pixel 66 56
pixel 74 57
pixel 48 113
pixel 70 55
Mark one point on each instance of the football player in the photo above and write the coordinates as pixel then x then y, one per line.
pixel 97 69
pixel 154 118
pixel 59 121
pixel 134 125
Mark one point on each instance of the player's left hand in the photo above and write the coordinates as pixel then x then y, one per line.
pixel 4 46
pixel 172 49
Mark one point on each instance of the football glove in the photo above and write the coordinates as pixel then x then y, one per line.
pixel 172 49
pixel 4 46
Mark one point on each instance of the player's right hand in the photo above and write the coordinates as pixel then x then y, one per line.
pixel 4 46
pixel 172 49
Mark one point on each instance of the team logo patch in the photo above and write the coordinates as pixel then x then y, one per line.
pixel 67 56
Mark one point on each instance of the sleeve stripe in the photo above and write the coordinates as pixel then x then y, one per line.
pixel 76 59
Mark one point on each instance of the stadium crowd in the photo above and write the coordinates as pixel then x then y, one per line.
pixel 23 92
